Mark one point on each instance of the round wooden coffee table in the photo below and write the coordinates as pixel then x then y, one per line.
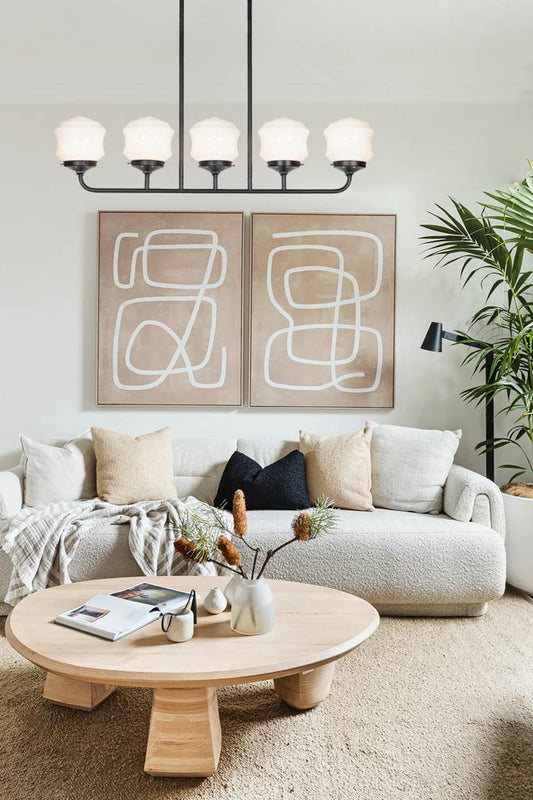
pixel 314 627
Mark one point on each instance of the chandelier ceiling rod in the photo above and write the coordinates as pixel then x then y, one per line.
pixel 181 95
pixel 80 143
pixel 250 98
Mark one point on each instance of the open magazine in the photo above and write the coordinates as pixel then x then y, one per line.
pixel 113 616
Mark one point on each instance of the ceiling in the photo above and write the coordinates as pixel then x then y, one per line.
pixel 305 50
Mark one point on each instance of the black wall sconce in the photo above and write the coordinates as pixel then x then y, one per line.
pixel 433 342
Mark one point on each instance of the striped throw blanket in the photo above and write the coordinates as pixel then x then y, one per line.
pixel 41 542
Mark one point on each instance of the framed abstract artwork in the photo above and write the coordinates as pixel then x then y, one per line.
pixel 322 310
pixel 169 308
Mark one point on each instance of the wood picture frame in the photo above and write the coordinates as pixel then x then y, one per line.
pixel 168 288
pixel 322 310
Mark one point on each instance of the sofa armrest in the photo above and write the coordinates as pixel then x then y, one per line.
pixel 11 491
pixel 470 497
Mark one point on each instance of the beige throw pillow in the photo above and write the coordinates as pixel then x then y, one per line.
pixel 338 467
pixel 130 469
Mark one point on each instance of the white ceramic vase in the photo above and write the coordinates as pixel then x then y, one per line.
pixel 215 602
pixel 252 608
pixel 519 541
pixel 230 587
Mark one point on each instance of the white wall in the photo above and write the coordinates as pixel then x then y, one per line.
pixel 48 262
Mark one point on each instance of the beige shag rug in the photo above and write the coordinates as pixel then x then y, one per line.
pixel 426 709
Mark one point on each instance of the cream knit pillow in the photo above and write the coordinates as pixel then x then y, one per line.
pixel 131 469
pixel 410 467
pixel 338 467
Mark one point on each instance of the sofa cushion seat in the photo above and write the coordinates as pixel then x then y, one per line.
pixel 391 558
pixel 381 520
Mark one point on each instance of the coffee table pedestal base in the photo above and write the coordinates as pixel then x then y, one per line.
pixel 75 694
pixel 185 737
pixel 306 689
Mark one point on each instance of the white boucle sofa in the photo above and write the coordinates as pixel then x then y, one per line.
pixel 404 563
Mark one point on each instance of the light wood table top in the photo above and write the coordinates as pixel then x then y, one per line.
pixel 314 625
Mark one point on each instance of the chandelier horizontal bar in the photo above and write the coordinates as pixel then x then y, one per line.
pixel 217 190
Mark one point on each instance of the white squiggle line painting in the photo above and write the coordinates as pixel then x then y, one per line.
pixel 179 362
pixel 334 326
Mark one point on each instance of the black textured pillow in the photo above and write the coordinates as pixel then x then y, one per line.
pixel 281 485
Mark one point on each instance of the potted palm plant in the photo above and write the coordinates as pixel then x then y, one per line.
pixel 494 248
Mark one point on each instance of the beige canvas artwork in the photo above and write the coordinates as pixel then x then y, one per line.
pixel 322 310
pixel 169 308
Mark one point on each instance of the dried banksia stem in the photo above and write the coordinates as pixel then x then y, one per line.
pixel 240 520
pixel 186 548
pixel 229 551
pixel 302 526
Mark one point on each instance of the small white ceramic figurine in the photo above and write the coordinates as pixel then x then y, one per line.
pixel 215 602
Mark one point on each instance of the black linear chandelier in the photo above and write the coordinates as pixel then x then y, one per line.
pixel 214 143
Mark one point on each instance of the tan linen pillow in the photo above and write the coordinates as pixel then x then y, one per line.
pixel 338 467
pixel 130 469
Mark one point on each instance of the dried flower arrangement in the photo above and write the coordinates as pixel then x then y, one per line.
pixel 205 535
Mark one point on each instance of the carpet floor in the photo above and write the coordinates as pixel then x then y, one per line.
pixel 426 709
